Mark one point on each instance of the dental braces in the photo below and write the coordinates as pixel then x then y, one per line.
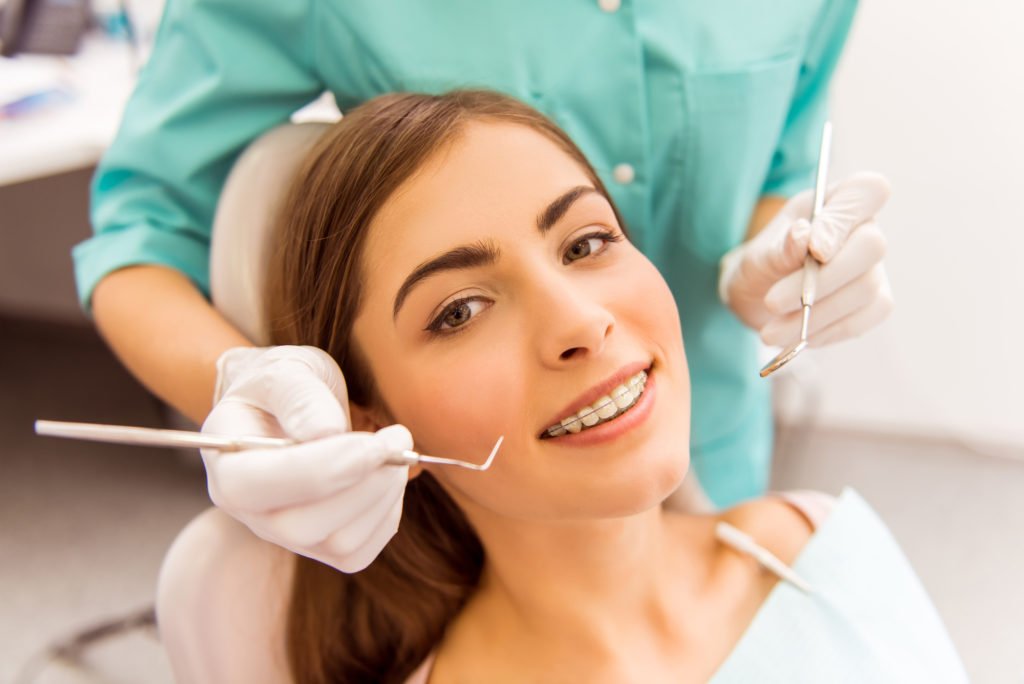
pixel 562 428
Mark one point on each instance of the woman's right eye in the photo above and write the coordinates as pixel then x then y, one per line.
pixel 456 314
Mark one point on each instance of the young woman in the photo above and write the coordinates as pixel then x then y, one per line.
pixel 463 264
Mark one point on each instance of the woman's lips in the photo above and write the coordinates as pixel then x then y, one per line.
pixel 599 390
pixel 615 427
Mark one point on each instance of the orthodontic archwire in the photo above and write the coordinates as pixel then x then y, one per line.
pixel 580 418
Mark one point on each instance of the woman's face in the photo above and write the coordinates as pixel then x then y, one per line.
pixel 502 298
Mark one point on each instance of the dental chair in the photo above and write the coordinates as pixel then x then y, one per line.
pixel 252 193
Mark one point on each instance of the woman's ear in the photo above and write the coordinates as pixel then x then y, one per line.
pixel 370 420
pixel 366 419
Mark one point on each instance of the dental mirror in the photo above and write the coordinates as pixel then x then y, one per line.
pixel 811 265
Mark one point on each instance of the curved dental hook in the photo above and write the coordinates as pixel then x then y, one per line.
pixel 409 457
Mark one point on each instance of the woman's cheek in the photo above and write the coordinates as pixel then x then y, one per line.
pixel 659 309
pixel 457 410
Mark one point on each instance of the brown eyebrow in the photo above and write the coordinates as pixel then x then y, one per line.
pixel 557 209
pixel 467 256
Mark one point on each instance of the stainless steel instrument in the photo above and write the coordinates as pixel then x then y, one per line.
pixel 124 434
pixel 811 265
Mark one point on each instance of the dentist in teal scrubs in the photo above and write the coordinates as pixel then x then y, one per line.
pixel 702 118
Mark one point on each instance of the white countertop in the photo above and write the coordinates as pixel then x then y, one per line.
pixel 64 135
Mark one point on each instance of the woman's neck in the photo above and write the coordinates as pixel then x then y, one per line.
pixel 602 586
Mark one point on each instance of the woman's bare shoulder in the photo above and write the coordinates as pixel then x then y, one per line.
pixel 775 523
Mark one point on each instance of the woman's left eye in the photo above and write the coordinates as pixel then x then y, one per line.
pixel 456 314
pixel 589 244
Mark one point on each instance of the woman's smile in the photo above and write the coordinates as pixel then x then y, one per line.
pixel 623 421
pixel 602 403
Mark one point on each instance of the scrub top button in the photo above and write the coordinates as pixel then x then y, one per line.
pixel 624 174
pixel 609 5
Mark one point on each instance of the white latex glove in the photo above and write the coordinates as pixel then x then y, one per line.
pixel 760 279
pixel 332 497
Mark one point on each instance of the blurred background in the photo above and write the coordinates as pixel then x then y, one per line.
pixel 924 415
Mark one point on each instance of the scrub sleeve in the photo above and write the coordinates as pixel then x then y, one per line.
pixel 688 111
pixel 221 73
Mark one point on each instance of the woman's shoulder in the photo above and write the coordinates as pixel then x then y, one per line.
pixel 782 522
pixel 813 505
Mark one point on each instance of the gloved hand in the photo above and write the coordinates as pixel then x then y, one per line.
pixel 331 497
pixel 760 279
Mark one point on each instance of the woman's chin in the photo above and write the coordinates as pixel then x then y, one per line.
pixel 640 489
pixel 588 483
pixel 660 490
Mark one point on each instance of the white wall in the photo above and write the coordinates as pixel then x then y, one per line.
pixel 931 93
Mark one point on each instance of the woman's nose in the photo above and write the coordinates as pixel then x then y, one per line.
pixel 574 325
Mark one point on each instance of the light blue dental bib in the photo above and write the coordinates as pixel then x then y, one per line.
pixel 868 619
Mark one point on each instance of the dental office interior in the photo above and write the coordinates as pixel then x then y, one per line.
pixel 924 415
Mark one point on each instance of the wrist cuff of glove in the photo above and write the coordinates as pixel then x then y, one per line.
pixel 227 362
pixel 727 266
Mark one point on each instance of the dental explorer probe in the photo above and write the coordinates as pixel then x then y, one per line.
pixel 809 286
pixel 124 434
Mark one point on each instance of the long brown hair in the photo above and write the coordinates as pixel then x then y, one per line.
pixel 376 625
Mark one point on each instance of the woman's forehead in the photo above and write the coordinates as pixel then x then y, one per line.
pixel 493 177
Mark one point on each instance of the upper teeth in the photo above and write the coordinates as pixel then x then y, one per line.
pixel 604 409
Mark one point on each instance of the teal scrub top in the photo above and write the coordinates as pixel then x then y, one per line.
pixel 689 111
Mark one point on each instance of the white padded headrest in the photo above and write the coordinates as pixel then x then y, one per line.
pixel 241 225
